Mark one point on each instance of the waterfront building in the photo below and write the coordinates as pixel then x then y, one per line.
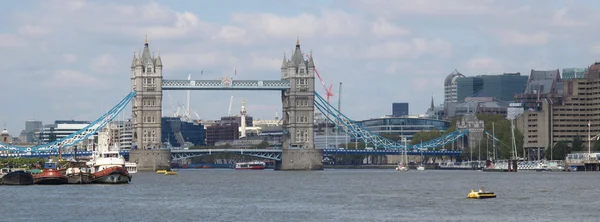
pixel 572 113
pixel 404 127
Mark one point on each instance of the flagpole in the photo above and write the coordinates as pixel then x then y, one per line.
pixel 589 138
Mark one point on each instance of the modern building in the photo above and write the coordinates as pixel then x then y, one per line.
pixel 124 133
pixel 476 105
pixel 399 109
pixel 60 129
pixel 572 113
pixel 502 87
pixel 450 95
pixel 28 134
pixel 405 127
pixel 574 73
pixel 178 133
pixel 222 132
pixel 542 85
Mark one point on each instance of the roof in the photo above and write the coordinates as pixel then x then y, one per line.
pixel 543 81
pixel 452 77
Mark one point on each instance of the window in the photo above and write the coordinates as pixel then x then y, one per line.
pixel 302 82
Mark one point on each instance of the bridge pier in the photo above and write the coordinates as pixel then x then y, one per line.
pixel 151 160
pixel 300 159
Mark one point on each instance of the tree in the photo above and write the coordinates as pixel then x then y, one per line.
pixel 262 145
pixel 577 144
pixel 596 146
pixel 559 152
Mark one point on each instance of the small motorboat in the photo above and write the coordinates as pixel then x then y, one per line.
pixel 161 171
pixel 481 194
pixel 170 173
pixel 420 168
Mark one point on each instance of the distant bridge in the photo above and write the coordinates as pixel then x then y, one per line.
pixel 272 154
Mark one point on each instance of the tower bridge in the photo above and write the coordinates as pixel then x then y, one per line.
pixel 299 100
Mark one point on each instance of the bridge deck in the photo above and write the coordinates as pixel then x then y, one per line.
pixel 225 84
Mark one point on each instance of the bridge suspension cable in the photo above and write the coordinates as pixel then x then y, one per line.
pixel 358 132
pixel 80 135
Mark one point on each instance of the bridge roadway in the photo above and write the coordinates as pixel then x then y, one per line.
pixel 273 154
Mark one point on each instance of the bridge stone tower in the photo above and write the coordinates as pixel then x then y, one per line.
pixel 146 80
pixel 299 151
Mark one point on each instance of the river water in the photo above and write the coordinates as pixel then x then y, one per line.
pixel 329 195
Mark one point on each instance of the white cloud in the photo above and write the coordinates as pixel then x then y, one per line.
pixel 11 41
pixel 514 37
pixel 414 48
pixel 426 7
pixel 383 28
pixel 31 30
pixel 64 79
pixel 105 64
pixel 484 65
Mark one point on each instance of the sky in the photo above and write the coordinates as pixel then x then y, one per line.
pixel 66 60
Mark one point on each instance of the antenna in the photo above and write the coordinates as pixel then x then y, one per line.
pixel 230 102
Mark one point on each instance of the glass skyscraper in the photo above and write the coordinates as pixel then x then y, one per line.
pixel 501 87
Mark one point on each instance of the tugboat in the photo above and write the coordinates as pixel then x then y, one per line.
pixel 50 175
pixel 78 172
pixel 108 166
pixel 16 177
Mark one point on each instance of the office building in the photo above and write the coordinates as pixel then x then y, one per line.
pixel 502 87
pixel 399 109
pixel 574 73
pixel 450 86
pixel 177 133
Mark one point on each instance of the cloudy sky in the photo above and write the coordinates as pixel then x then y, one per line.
pixel 70 59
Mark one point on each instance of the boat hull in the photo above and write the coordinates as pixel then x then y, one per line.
pixel 113 179
pixel 481 195
pixel 17 178
pixel 251 168
pixel 76 178
pixel 113 175
pixel 50 177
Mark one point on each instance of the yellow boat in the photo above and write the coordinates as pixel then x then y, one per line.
pixel 481 195
pixel 161 171
pixel 170 173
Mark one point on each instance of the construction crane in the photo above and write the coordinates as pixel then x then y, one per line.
pixel 327 91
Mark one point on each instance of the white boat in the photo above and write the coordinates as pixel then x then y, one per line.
pixel 420 168
pixel 131 167
pixel 107 165
pixel 254 165
pixel 403 165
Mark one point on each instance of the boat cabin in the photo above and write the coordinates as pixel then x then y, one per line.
pixel 50 165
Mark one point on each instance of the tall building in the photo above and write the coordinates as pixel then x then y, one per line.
pixel 540 86
pixel 399 109
pixel 60 129
pixel 146 80
pixel 28 134
pixel 123 134
pixel 501 87
pixel 574 73
pixel 566 115
pixel 222 132
pixel 298 109
pixel 450 95
pixel 177 133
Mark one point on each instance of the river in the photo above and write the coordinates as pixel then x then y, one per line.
pixel 329 195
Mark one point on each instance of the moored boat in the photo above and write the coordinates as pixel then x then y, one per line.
pixel 17 177
pixel 50 175
pixel 78 173
pixel 481 194
pixel 112 175
pixel 254 165
pixel 108 166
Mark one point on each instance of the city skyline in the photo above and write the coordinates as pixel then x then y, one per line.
pixel 63 62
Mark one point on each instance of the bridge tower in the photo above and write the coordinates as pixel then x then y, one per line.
pixel 299 151
pixel 146 80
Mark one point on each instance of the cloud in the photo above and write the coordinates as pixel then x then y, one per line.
pixel 414 48
pixel 383 28
pixel 514 37
pixel 105 64
pixel 65 79
pixel 11 41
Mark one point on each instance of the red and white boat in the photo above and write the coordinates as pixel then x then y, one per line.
pixel 254 165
